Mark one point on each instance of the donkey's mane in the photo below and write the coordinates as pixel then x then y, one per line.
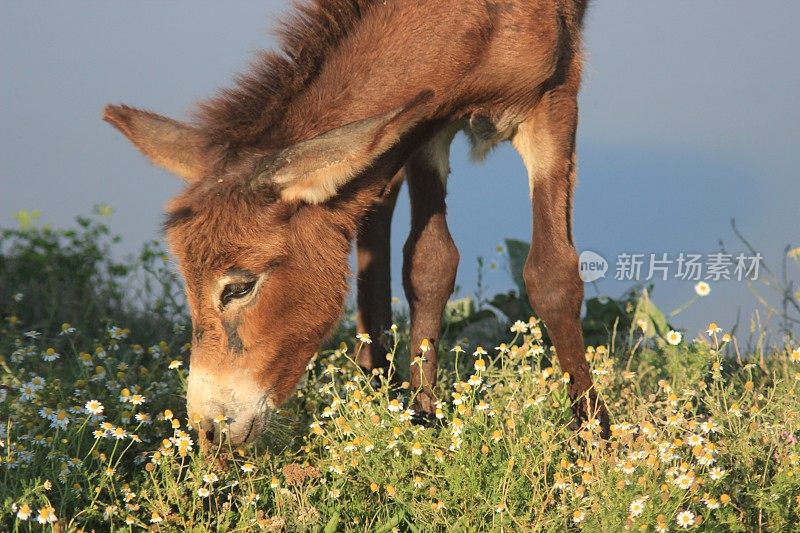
pixel 239 116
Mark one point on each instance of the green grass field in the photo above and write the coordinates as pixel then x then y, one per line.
pixel 93 366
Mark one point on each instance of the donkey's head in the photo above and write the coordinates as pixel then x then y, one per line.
pixel 263 243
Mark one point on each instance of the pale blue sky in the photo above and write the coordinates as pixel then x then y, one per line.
pixel 689 117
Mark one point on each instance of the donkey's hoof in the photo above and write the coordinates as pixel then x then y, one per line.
pixel 425 419
pixel 594 414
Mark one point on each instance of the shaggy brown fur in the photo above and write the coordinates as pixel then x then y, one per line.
pixel 302 156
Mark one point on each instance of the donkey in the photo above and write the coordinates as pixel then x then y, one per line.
pixel 305 154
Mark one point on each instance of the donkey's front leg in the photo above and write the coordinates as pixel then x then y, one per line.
pixel 430 260
pixel 374 276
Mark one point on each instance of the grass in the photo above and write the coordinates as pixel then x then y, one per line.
pixel 704 436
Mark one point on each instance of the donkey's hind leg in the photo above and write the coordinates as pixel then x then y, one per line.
pixel 374 314
pixel 546 142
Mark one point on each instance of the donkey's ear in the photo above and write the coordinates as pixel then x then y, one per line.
pixel 314 170
pixel 172 145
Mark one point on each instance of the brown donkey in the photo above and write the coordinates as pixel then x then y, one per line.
pixel 304 155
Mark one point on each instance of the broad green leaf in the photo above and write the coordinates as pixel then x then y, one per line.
pixel 392 523
pixel 460 309
pixel 513 306
pixel 517 255
pixel 333 524
pixel 649 318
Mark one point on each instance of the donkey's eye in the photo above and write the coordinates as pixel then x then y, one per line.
pixel 233 291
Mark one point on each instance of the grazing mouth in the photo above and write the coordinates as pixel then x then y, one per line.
pixel 215 434
pixel 228 408
pixel 257 426
pixel 252 424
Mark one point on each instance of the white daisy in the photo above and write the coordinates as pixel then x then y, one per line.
pixel 685 519
pixel 702 288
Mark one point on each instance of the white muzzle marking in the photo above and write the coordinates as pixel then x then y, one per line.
pixel 234 395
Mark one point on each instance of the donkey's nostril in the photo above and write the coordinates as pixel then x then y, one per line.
pixel 205 430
